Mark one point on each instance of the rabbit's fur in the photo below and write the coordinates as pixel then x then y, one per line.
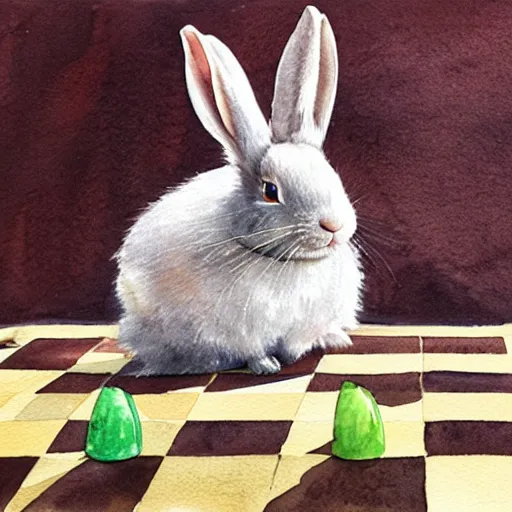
pixel 214 276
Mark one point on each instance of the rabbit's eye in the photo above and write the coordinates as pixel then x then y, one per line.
pixel 270 192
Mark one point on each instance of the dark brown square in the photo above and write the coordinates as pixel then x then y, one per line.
pixel 465 382
pixel 157 385
pixel 13 471
pixel 325 449
pixel 464 345
pixel 210 438
pixel 388 389
pixel 384 485
pixel 230 381
pixel 95 486
pixel 381 345
pixel 76 383
pixel 468 438
pixel 305 365
pixel 71 437
pixel 49 354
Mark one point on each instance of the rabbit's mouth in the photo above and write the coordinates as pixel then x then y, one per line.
pixel 316 254
pixel 298 253
pixel 297 248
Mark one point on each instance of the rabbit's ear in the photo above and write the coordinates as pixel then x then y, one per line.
pixel 223 98
pixel 307 77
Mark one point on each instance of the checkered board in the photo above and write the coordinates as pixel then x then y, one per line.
pixel 237 442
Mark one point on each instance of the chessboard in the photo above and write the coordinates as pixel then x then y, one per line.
pixel 239 442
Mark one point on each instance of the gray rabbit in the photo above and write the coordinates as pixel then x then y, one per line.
pixel 251 263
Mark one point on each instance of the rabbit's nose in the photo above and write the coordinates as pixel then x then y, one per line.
pixel 330 225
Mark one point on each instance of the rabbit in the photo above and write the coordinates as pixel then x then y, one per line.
pixel 250 264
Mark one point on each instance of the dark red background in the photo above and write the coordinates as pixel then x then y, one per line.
pixel 95 122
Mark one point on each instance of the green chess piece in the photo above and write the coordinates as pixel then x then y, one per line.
pixel 114 431
pixel 358 427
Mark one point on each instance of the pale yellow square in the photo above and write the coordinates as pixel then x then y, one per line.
pixel 100 362
pixel 15 405
pixel 291 469
pixel 211 484
pixel 318 406
pixel 25 333
pixel 27 381
pixel 435 330
pixel 469 483
pixel 170 406
pixel 27 438
pixel 468 406
pixel 84 410
pixel 4 398
pixel 224 406
pixel 370 364
pixel 306 436
pixel 51 406
pixel 404 439
pixel 100 357
pixel 158 436
pixel 407 412
pixel 292 385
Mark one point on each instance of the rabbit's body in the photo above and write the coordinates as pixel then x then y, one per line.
pixel 173 300
pixel 215 276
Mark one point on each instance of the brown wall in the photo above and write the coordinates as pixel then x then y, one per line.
pixel 95 122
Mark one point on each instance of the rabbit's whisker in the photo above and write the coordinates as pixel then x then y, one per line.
pixel 358 199
pixel 359 248
pixel 219 252
pixel 256 233
pixel 250 264
pixel 227 241
pixel 255 249
pixel 363 230
pixel 212 231
pixel 202 247
pixel 369 249
pixel 375 223
pixel 220 248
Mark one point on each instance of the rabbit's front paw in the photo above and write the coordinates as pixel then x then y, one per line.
pixel 264 365
pixel 288 356
pixel 335 338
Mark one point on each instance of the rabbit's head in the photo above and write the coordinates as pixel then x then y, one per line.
pixel 292 203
